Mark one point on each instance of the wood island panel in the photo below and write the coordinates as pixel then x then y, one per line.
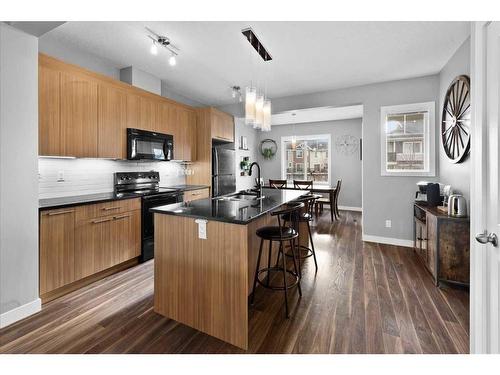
pixel 202 282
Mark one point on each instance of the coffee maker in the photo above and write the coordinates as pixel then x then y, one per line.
pixel 428 193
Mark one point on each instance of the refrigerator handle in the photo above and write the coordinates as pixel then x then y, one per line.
pixel 216 187
pixel 215 167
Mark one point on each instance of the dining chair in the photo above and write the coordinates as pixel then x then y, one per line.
pixel 303 184
pixel 277 184
pixel 331 201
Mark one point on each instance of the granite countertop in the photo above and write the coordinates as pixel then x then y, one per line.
pixel 241 211
pixel 75 200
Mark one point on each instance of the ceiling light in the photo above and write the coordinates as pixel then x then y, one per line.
pixel 154 48
pixel 266 122
pixel 259 112
pixel 172 60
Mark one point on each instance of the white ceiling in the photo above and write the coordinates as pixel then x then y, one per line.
pixel 307 56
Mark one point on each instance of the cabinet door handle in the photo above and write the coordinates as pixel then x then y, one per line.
pixel 195 193
pixel 102 220
pixel 61 212
pixel 421 239
pixel 110 208
pixel 121 217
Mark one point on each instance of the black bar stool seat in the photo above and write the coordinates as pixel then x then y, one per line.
pixel 276 233
pixel 281 234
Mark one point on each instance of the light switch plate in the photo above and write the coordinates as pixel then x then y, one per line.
pixel 388 223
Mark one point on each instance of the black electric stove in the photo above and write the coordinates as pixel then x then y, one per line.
pixel 146 186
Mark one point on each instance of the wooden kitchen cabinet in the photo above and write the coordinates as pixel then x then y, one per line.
pixel 112 122
pixel 78 113
pixel 57 252
pixel 193 195
pixel 183 122
pixel 104 242
pixel 81 244
pixel 49 124
pixel 141 113
pixel 222 125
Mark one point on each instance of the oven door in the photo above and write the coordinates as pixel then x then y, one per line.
pixel 146 145
pixel 149 202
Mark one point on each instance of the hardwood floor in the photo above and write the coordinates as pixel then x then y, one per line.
pixel 365 298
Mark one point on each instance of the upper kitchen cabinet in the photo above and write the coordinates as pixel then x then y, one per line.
pixel 183 125
pixel 49 128
pixel 78 115
pixel 222 125
pixel 112 122
pixel 141 112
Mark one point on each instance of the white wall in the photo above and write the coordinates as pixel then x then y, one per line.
pixel 141 79
pixel 89 176
pixel 18 175
pixel 383 197
pixel 457 175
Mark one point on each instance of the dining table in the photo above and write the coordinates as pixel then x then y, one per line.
pixel 319 189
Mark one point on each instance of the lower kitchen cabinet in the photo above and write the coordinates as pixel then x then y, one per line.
pixel 193 195
pixel 57 249
pixel 80 242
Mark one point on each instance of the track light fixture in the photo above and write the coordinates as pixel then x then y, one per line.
pixel 236 93
pixel 163 41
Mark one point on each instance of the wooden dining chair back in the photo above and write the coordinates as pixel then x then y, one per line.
pixel 303 184
pixel 336 198
pixel 277 184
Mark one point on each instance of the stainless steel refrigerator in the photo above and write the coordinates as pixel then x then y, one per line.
pixel 223 171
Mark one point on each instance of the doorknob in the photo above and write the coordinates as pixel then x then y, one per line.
pixel 484 238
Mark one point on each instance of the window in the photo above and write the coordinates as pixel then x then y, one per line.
pixel 407 140
pixel 306 158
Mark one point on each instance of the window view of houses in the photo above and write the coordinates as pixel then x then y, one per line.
pixel 307 159
pixel 405 141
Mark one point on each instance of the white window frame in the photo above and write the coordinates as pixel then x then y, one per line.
pixel 301 154
pixel 310 137
pixel 429 143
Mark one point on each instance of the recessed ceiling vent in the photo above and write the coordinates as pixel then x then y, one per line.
pixel 256 44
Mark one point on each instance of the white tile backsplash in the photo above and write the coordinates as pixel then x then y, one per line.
pixel 89 176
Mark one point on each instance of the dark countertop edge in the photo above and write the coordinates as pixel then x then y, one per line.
pixel 187 187
pixel 80 203
pixel 220 219
pixel 109 199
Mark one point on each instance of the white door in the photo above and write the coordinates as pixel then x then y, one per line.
pixel 485 203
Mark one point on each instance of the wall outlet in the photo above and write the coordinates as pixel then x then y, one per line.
pixel 60 176
pixel 388 223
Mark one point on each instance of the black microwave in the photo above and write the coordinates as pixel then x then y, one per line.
pixel 142 144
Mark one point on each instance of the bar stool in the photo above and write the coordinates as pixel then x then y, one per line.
pixel 305 217
pixel 280 234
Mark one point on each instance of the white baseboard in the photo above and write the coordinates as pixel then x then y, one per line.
pixel 387 240
pixel 20 312
pixel 349 208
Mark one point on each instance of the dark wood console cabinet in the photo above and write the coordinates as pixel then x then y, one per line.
pixel 442 244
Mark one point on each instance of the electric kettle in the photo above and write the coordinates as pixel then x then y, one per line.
pixel 457 206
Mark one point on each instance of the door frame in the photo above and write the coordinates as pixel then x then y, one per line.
pixel 479 324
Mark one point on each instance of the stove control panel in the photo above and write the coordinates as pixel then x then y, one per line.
pixel 126 178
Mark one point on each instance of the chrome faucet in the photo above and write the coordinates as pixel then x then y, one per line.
pixel 259 184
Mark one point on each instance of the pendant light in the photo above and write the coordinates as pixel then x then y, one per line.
pixel 259 112
pixel 250 99
pixel 266 124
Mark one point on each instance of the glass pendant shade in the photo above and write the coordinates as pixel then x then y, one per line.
pixel 266 123
pixel 259 112
pixel 250 99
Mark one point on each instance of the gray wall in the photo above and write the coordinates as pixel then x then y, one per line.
pixel 383 197
pixel 141 79
pixel 240 129
pixel 457 175
pixel 18 170
pixel 345 167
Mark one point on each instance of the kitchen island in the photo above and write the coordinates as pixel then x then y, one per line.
pixel 205 257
